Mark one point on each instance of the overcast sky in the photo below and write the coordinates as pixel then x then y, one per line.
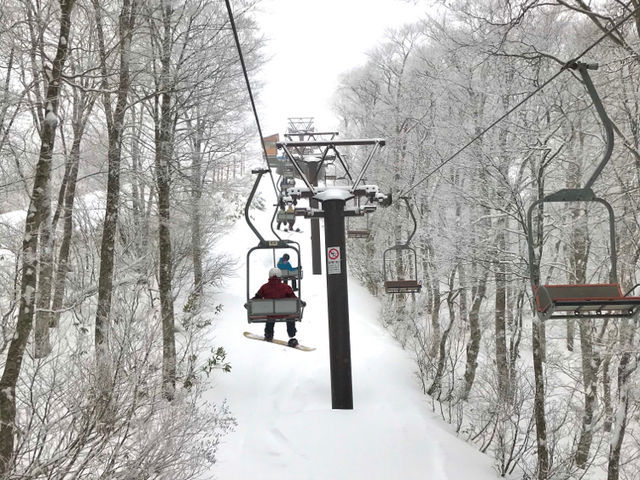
pixel 310 43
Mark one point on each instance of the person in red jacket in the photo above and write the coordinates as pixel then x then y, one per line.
pixel 274 288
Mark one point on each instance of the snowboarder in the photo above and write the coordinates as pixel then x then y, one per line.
pixel 274 288
pixel 289 271
pixel 291 216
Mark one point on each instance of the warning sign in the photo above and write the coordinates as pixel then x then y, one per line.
pixel 333 261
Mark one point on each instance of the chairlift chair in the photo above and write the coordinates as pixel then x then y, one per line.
pixel 285 217
pixel 260 310
pixel 402 285
pixel 330 173
pixel 603 300
pixel 353 232
pixel 279 309
pixel 352 229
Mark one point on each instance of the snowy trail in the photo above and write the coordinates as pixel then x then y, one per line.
pixel 282 397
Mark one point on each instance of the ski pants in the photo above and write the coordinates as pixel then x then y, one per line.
pixel 294 283
pixel 291 328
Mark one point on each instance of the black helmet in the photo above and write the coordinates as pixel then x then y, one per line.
pixel 285 256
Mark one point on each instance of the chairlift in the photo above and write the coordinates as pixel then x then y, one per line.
pixel 260 310
pixel 355 230
pixel 330 173
pixel 402 285
pixel 278 309
pixel 285 217
pixel 285 214
pixel 605 300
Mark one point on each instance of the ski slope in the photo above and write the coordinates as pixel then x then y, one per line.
pixel 281 397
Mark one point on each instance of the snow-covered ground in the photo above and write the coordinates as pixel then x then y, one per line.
pixel 281 397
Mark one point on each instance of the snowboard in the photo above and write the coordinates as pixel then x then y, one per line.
pixel 253 336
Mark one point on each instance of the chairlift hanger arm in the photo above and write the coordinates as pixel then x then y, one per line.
pixel 273 217
pixel 583 69
pixel 250 199
pixel 413 217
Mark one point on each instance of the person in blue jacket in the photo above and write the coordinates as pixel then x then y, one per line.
pixel 287 269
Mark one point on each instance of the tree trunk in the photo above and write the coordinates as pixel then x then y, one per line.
pixel 115 123
pixel 442 346
pixel 628 364
pixel 196 220
pixel 500 333
pixel 539 406
pixel 163 178
pixel 33 223
pixel 589 378
pixel 606 392
pixel 140 219
pixel 42 346
pixel 82 108
pixel 464 302
pixel 475 334
pixel 433 287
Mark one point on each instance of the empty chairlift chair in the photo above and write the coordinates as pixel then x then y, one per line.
pixel 358 228
pixel 601 300
pixel 395 284
pixel 330 174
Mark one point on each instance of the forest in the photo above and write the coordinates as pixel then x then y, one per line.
pixel 123 137
pixel 547 399
pixel 126 144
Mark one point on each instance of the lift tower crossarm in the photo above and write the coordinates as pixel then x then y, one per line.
pixel 309 134
pixel 334 143
pixel 375 142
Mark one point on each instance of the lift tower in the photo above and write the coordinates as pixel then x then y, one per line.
pixel 333 209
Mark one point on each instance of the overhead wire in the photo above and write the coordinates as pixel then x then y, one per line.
pixel 521 102
pixel 249 90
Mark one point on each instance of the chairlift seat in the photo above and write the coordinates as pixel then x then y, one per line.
pixel 295 274
pixel 402 286
pixel 274 309
pixel 285 217
pixel 596 301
